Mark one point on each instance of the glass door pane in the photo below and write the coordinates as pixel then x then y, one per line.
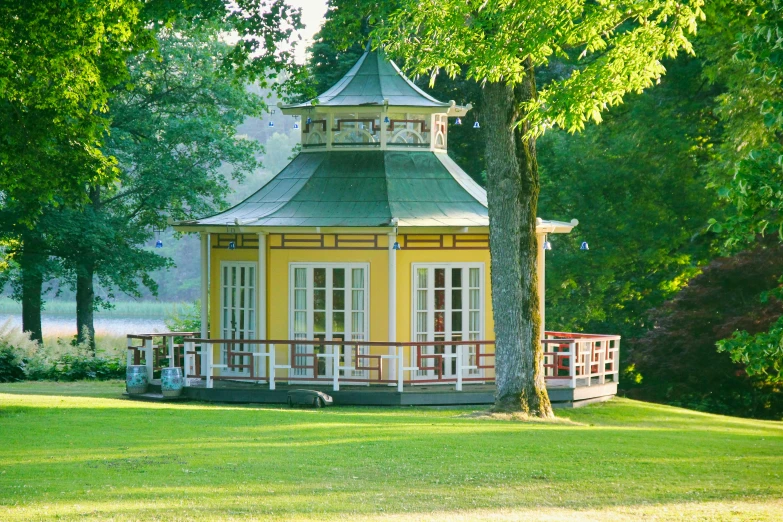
pixel 447 307
pixel 329 303
pixel 238 320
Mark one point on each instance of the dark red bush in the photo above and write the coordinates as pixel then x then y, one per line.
pixel 677 360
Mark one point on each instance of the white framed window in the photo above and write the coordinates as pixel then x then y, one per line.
pixel 328 301
pixel 448 305
pixel 237 311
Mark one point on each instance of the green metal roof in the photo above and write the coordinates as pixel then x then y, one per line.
pixel 363 189
pixel 371 81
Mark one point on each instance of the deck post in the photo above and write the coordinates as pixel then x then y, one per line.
pixel 261 306
pixel 459 367
pixel 541 269
pixel 149 357
pixel 335 368
pixel 129 360
pixel 170 346
pixel 392 294
pixel 206 353
pixel 400 351
pixel 589 364
pixel 572 363
pixel 270 349
pixel 205 240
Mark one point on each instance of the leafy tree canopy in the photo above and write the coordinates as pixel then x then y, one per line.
pixel 60 61
pixel 744 51
pixel 619 47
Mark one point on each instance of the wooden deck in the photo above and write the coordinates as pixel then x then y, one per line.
pixel 437 395
pixel 578 368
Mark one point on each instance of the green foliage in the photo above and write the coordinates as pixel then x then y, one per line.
pixel 618 48
pixel 676 357
pixel 24 359
pixel 61 61
pixel 184 318
pixel 11 366
pixel 173 127
pixel 745 53
pixel 761 354
pixel 637 188
pixel 173 134
pixel 58 62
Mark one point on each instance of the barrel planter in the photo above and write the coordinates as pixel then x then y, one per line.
pixel 136 379
pixel 171 382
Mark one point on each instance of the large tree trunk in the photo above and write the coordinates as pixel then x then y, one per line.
pixel 512 193
pixel 85 305
pixel 32 266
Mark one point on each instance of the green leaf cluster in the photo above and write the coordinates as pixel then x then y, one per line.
pixel 618 48
pixel 761 354
pixel 745 54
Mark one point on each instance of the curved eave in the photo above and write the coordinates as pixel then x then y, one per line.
pixel 544 226
pixel 451 109
pixel 361 189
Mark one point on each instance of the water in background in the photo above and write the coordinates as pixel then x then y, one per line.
pixel 55 325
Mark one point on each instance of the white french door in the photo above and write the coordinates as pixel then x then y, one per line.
pixel 238 313
pixel 448 305
pixel 329 301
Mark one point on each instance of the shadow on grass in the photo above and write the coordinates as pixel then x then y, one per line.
pixel 85 457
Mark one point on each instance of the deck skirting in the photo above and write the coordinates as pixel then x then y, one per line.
pixel 441 395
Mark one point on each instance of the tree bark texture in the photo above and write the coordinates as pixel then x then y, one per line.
pixel 31 263
pixel 512 194
pixel 85 305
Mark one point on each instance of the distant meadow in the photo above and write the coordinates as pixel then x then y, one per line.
pixel 59 318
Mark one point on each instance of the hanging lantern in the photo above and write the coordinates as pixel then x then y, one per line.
pixel 476 125
pixel 158 244
pixel 547 244
pixel 458 121
pixel 386 119
pixel 231 245
pixel 296 125
pixel 309 120
pixel 584 246
pixel 396 246
pixel 271 124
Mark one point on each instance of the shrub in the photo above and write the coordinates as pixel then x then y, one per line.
pixel 184 318
pixel 11 366
pixel 22 358
pixel 677 362
pixel 80 367
pixel 13 344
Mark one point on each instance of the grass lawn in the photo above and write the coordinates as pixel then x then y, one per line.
pixel 79 451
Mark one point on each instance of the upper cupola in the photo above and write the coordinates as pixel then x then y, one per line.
pixel 374 106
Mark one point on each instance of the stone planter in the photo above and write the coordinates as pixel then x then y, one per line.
pixel 136 379
pixel 171 382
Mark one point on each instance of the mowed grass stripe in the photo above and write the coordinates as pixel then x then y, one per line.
pixel 75 451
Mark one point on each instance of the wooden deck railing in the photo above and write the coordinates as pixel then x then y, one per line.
pixel 156 347
pixel 570 359
pixel 350 362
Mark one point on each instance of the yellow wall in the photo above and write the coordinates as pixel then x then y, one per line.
pixel 279 259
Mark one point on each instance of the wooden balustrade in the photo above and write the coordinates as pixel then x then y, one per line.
pixel 569 358
pixel 572 356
